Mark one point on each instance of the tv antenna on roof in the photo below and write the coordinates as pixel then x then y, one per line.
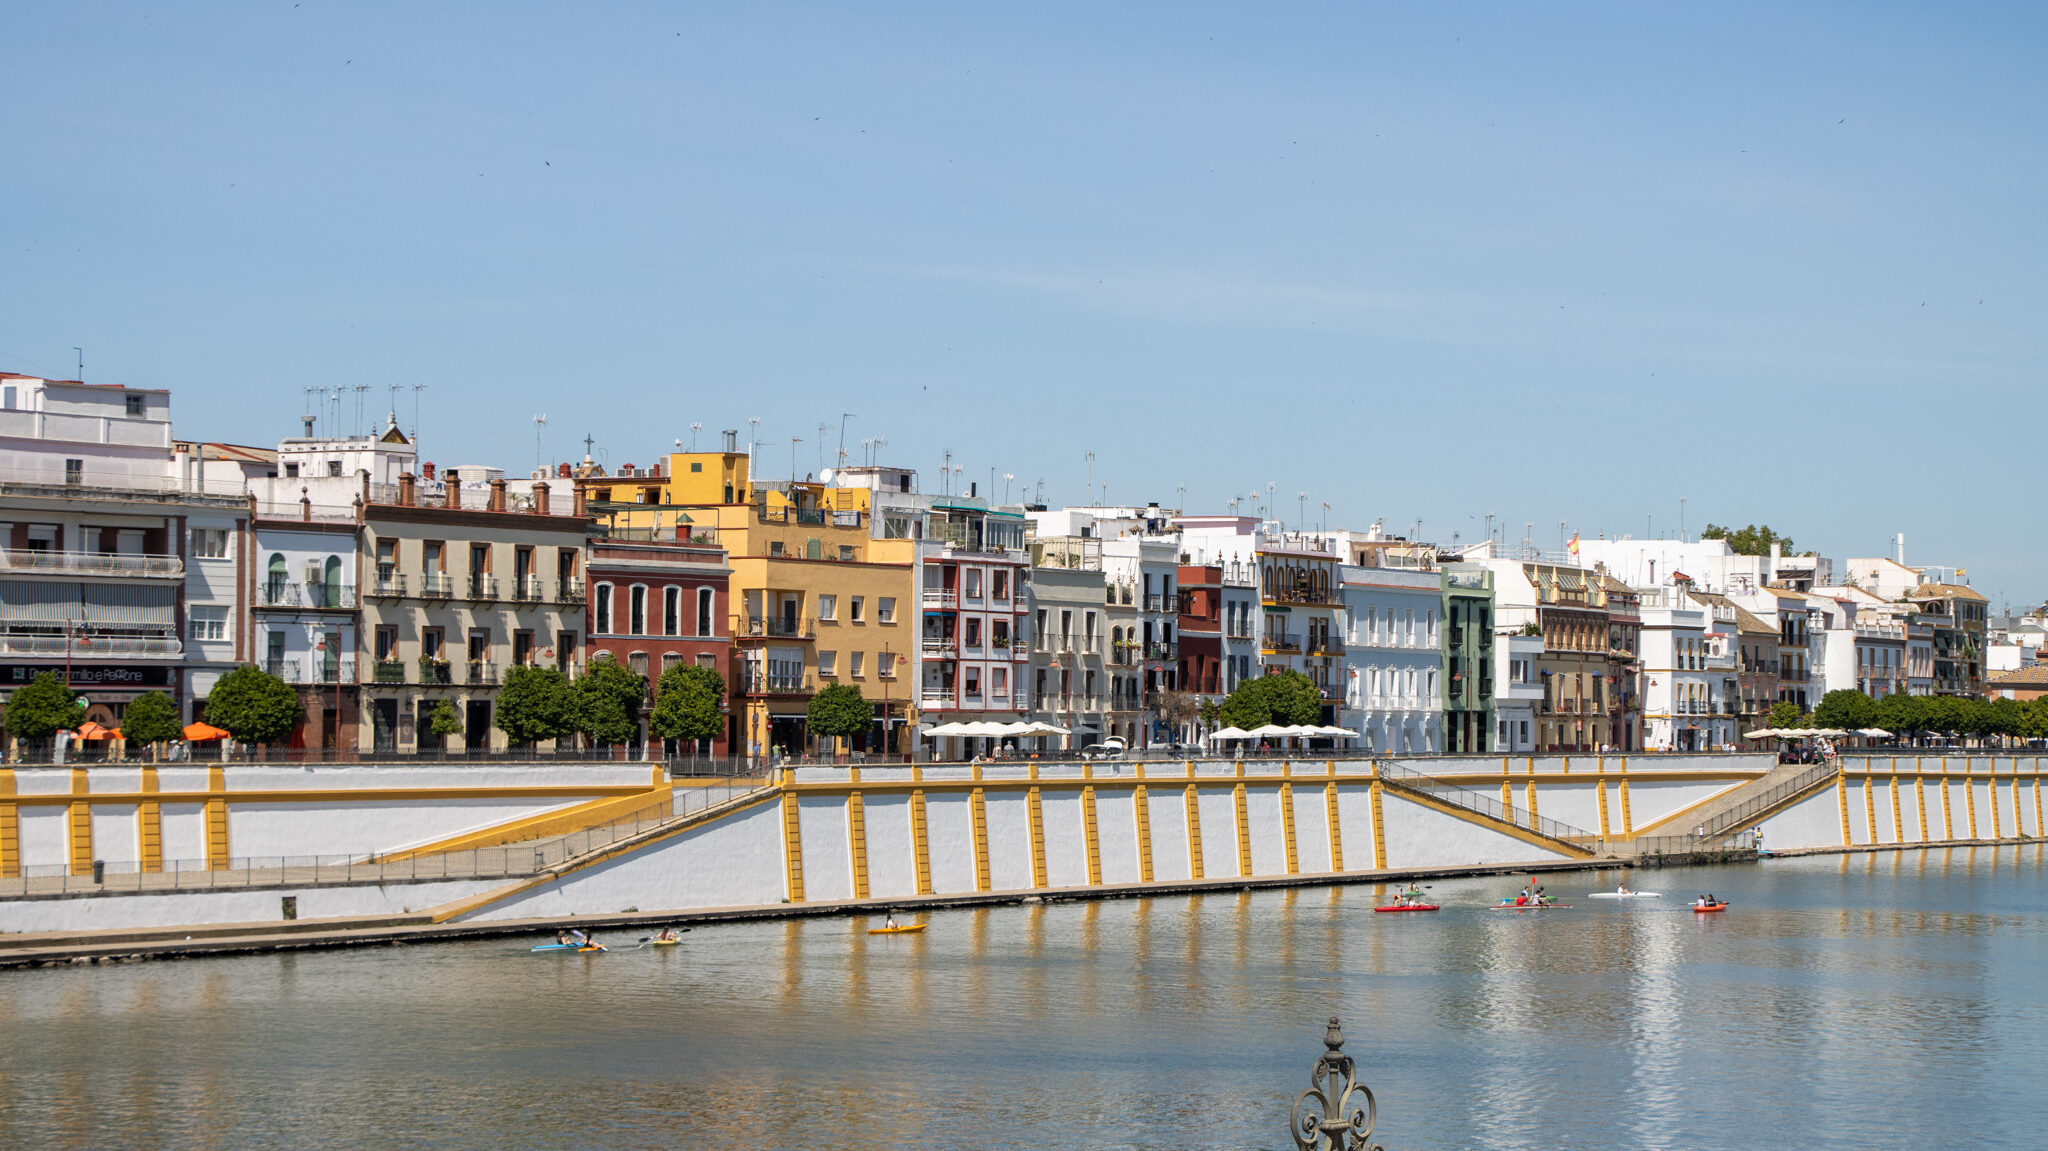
pixel 539 421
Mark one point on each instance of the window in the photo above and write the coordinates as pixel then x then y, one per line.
pixel 704 607
pixel 828 607
pixel 828 663
pixel 291 471
pixel 973 680
pixel 999 683
pixel 853 663
pixel 672 611
pixel 333 467
pixel 603 606
pixel 74 471
pixel 387 644
pixel 774 548
pixel 134 405
pixel 7 400
pixel 813 549
pixel 973 633
pixel 209 623
pixel 696 465
pixel 973 583
pixel 885 609
pixel 846 553
pixel 431 640
pixel 853 608
pixel 636 610
pixel 209 543
pixel 1430 624
pixel 885 665
pixel 999 584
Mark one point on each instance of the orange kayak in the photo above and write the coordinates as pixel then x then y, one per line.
pixel 899 929
pixel 1710 907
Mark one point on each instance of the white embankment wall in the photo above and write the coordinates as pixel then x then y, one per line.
pixel 841 833
pixel 1903 800
pixel 879 833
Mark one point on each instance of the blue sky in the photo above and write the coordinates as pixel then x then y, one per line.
pixel 1424 262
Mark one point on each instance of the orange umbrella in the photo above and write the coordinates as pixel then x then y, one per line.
pixel 91 730
pixel 201 732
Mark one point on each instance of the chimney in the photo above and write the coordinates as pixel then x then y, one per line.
pixel 453 483
pixel 732 440
pixel 427 470
pixel 309 426
pixel 406 481
pixel 497 495
pixel 365 473
pixel 305 505
pixel 577 509
pixel 562 471
pixel 540 498
pixel 1902 549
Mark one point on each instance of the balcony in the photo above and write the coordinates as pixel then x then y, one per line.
pixel 1274 642
pixel 388 585
pixel 388 671
pixel 26 562
pixel 1299 596
pixel 935 697
pixel 941 597
pixel 301 672
pixel 776 629
pixel 481 587
pixel 1161 650
pixel 481 672
pixel 294 595
pixel 1155 602
pixel 568 591
pixel 436 671
pixel 1325 645
pixel 436 585
pixel 756 682
pixel 88 647
pixel 528 589
pixel 940 645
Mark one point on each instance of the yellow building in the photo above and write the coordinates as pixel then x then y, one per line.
pixel 818 596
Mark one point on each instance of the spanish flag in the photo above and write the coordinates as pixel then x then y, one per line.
pixel 1574 545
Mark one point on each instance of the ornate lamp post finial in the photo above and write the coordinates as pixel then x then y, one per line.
pixel 1326 1116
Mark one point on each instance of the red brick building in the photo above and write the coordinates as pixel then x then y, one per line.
pixel 657 604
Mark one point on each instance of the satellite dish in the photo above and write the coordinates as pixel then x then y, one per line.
pixel 825 476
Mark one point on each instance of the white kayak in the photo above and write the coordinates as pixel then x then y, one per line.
pixel 1625 895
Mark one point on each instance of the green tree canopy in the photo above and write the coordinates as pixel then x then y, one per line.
pixel 1287 698
pixel 152 718
pixel 42 707
pixel 253 705
pixel 687 704
pixel 608 698
pixel 840 710
pixel 1210 712
pixel 443 720
pixel 1785 714
pixel 535 703
pixel 1754 540
pixel 1845 708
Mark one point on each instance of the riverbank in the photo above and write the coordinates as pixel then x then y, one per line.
pixel 44 949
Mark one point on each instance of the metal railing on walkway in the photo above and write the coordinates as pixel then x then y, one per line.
pixel 1743 813
pixel 1412 780
pixel 506 861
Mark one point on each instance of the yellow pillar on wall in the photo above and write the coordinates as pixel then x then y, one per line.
pixel 1948 821
pixel 1336 829
pixel 792 848
pixel 10 827
pixel 149 826
pixel 1920 796
pixel 1141 810
pixel 80 823
pixel 1869 804
pixel 1842 798
pixel 1600 793
pixel 1379 829
pixel 1194 808
pixel 1991 787
pixel 1628 826
pixel 1969 798
pixel 1898 817
pixel 978 804
pixel 857 842
pixel 1035 809
pixel 217 846
pixel 921 843
pixel 1244 828
pixel 1287 826
pixel 1090 837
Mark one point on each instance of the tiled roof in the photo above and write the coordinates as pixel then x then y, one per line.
pixel 2035 676
pixel 1945 591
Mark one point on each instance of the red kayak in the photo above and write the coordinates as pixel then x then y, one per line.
pixel 1709 907
pixel 1409 907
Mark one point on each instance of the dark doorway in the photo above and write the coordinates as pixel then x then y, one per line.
pixel 476 725
pixel 384 724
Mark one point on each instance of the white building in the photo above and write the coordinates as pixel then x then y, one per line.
pixel 1393 658
pixel 1679 701
pixel 1518 690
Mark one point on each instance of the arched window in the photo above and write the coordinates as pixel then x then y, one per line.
pixel 602 601
pixel 636 609
pixel 672 610
pixel 704 608
pixel 278 577
pixel 331 589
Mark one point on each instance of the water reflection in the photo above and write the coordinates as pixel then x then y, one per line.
pixel 1182 1021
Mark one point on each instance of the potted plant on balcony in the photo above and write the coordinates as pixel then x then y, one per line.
pixel 433 670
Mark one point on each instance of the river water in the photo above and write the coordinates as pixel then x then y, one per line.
pixel 1843 1002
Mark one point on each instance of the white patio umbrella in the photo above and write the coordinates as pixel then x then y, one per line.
pixel 1274 729
pixel 1040 727
pixel 946 729
pixel 1762 733
pixel 1875 733
pixel 1231 733
pixel 1343 731
pixel 984 727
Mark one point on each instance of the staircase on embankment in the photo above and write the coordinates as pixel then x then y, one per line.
pixel 1572 841
pixel 1722 823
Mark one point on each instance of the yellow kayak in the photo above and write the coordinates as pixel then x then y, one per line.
pixel 900 929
